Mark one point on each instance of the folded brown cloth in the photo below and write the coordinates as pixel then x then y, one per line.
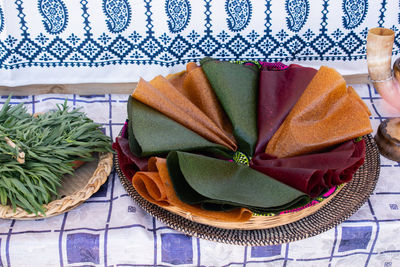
pixel 203 116
pixel 356 97
pixel 156 187
pixel 327 113
pixel 278 92
pixel 314 173
pixel 194 85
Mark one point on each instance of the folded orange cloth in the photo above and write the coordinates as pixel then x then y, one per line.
pixel 194 85
pixel 327 113
pixel 156 187
pixel 188 98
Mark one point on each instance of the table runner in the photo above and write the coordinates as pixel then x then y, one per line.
pixel 111 230
pixel 59 41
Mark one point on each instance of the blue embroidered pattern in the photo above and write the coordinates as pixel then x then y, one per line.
pixel 239 14
pixel 355 12
pixel 382 15
pixel 178 12
pixel 1 19
pixel 55 15
pixel 145 44
pixel 298 12
pixel 118 13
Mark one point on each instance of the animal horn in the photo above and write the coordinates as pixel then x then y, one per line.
pixel 379 57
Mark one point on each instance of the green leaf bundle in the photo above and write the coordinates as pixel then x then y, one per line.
pixel 37 151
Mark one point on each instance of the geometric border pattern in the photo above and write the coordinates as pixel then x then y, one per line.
pixel 165 49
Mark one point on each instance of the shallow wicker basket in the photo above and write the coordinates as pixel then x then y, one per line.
pixel 283 228
pixel 74 190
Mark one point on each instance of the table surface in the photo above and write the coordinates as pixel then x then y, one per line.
pixel 109 229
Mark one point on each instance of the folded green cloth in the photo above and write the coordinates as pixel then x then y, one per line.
pixel 221 185
pixel 151 133
pixel 236 87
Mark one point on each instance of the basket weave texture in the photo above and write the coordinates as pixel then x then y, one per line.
pixel 75 189
pixel 264 230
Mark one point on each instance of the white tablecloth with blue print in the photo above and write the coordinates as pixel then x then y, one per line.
pixel 86 41
pixel 109 229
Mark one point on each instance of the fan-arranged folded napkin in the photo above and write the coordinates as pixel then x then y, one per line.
pixel 220 185
pixel 155 186
pixel 314 173
pixel 278 92
pixel 327 113
pixel 236 87
pixel 213 124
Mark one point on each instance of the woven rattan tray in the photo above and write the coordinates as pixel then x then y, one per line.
pixel 75 189
pixel 281 228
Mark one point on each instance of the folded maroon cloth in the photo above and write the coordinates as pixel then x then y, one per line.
pixel 128 163
pixel 313 173
pixel 278 91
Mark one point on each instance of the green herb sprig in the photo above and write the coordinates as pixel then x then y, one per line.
pixel 49 142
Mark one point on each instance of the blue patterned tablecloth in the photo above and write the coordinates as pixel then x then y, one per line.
pixel 60 41
pixel 111 230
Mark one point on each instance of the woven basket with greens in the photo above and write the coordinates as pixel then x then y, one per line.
pixel 37 151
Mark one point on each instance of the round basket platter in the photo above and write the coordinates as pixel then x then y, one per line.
pixel 282 228
pixel 74 190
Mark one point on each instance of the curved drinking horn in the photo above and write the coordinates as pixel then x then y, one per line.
pixel 379 57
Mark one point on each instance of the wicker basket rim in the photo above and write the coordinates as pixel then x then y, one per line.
pixel 69 202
